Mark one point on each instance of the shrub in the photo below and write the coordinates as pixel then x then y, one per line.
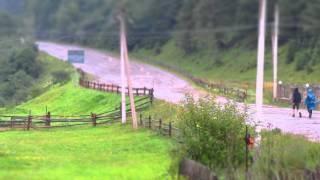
pixel 212 134
pixel 286 157
pixel 60 77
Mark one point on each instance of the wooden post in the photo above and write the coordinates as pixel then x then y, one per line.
pixel 11 122
pixel 152 96
pixel 144 90
pixel 160 124
pixel 118 90
pixel 121 113
pixel 94 119
pixel 48 119
pixel 137 92
pixel 150 126
pixel 141 122
pixel 29 123
pixel 124 46
pixel 170 128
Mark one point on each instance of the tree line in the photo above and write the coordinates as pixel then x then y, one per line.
pixel 193 25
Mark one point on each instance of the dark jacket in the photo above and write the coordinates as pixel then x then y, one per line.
pixel 296 97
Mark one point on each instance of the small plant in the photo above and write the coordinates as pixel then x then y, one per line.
pixel 60 77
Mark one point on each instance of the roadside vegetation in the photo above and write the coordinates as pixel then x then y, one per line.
pixel 214 136
pixel 286 156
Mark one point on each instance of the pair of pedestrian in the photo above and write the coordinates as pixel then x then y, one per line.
pixel 310 102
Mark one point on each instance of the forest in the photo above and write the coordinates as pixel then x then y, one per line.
pixel 214 25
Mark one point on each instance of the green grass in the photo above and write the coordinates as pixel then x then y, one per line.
pixel 285 155
pixel 162 110
pixel 238 64
pixel 69 99
pixel 112 152
pixel 50 65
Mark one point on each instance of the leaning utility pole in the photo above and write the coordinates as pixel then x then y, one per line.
pixel 260 59
pixel 275 52
pixel 127 70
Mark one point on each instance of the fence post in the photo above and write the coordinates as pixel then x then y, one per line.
pixel 151 96
pixel 94 119
pixel 29 123
pixel 11 122
pixel 48 119
pixel 160 124
pixel 141 122
pixel 137 92
pixel 170 128
pixel 150 122
pixel 144 90
pixel 118 90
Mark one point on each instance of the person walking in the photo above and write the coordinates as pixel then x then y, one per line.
pixel 310 102
pixel 296 100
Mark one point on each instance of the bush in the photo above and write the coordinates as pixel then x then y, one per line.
pixel 286 157
pixel 213 134
pixel 60 77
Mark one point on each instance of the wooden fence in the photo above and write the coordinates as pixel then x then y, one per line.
pixel 159 125
pixel 49 120
pixel 115 88
pixel 239 94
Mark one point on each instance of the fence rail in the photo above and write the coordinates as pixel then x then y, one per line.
pixel 49 120
pixel 162 127
pixel 115 88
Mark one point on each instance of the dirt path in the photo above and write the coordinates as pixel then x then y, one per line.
pixel 171 88
pixel 106 68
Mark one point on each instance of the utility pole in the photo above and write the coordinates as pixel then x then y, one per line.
pixel 260 59
pixel 127 71
pixel 275 52
pixel 123 78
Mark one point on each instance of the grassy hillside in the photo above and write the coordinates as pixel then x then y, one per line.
pixel 237 65
pixel 113 152
pixel 69 99
pixel 110 152
pixel 63 98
